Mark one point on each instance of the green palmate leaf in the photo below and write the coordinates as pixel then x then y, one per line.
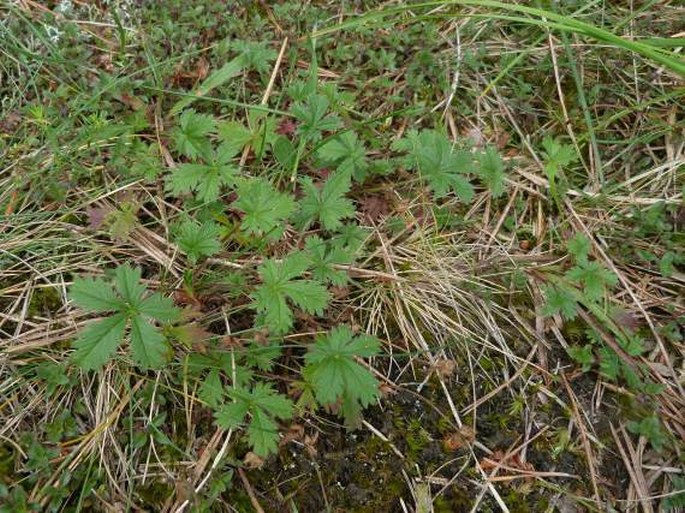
pixel 650 428
pixel 148 346
pixel 347 152
pixel 263 404
pixel 234 135
pixel 211 391
pixel 633 345
pixel 334 374
pixel 561 302
pixel 262 434
pixel 323 257
pixel 97 343
pixel 275 404
pixel 255 55
pixel 327 205
pixel 491 171
pixel 265 208
pixel 609 363
pixel 206 180
pixel 583 355
pixel 313 118
pixel 94 295
pixel 558 155
pixel 192 134
pixel 280 286
pixel 127 282
pixel 579 247
pixel 594 279
pixel 443 168
pixel 198 240
pixel 159 308
pixel 262 356
pixel 231 416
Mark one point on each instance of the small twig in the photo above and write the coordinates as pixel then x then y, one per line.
pixel 583 438
pixel 250 491
pixel 267 94
pixel 380 435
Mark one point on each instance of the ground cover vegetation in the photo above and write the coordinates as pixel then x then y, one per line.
pixel 342 256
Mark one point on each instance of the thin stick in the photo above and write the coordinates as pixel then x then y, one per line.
pixel 250 491
pixel 267 93
pixel 583 438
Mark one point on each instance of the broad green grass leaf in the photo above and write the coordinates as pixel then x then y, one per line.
pixel 94 295
pixel 148 346
pixel 214 80
pixel 96 344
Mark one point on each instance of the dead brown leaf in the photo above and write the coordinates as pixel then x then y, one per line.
pixel 252 461
pixel 455 441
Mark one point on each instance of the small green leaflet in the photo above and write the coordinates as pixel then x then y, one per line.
pixel 313 119
pixel 557 157
pixel 323 257
pixel 263 404
pixel 333 373
pixel 127 299
pixel 280 286
pixel 255 55
pixel 265 208
pixel 559 301
pixel 347 153
pixel 594 278
pixel 444 168
pixel 583 355
pixel 579 247
pixel 211 391
pixel 234 135
pixel 260 134
pixel 327 205
pixel 650 428
pixel 198 240
pixel 206 180
pixel 192 134
pixel 491 171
